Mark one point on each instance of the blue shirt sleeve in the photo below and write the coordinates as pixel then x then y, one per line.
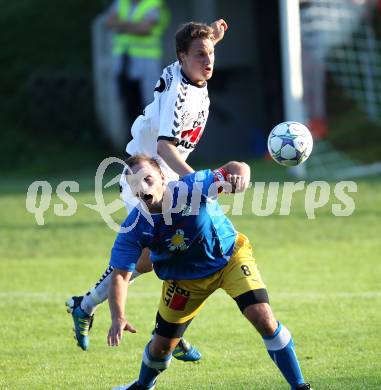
pixel 204 180
pixel 127 248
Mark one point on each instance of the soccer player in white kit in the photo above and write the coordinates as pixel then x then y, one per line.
pixel 169 130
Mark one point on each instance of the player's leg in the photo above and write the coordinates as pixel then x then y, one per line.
pixel 176 295
pixel 82 308
pixel 279 343
pixel 180 302
pixel 157 354
pixel 242 281
pixel 184 350
pixel 99 293
pixel 157 357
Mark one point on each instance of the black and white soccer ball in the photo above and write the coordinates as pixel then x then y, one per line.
pixel 290 143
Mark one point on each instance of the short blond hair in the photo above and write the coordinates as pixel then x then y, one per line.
pixel 138 159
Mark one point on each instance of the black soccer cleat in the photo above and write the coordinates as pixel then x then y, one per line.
pixel 304 386
pixel 133 386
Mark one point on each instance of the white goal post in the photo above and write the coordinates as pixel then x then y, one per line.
pixel 339 37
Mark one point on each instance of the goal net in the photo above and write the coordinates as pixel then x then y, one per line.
pixel 341 74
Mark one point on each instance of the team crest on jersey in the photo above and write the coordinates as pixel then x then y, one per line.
pixel 177 241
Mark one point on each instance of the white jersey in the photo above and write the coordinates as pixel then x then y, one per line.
pixel 178 113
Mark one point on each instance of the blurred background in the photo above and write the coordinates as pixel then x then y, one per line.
pixel 61 116
pixel 58 108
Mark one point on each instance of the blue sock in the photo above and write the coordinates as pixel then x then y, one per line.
pixel 280 347
pixel 151 368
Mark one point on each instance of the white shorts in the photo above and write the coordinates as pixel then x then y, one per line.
pixel 129 199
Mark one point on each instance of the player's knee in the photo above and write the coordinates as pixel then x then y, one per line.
pixel 162 351
pixel 161 346
pixel 157 362
pixel 262 317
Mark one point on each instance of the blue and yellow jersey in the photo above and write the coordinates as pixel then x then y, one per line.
pixel 192 240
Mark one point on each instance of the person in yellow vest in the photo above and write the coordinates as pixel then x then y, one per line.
pixel 137 48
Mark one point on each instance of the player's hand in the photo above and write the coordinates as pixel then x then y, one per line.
pixel 219 27
pixel 116 331
pixel 238 183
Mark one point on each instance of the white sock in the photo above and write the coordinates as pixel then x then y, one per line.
pixel 98 294
pixel 134 275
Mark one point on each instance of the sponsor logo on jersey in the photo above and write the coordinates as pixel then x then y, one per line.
pixel 200 119
pixel 189 138
pixel 160 236
pixel 176 297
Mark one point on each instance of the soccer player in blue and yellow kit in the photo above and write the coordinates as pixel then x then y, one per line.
pixel 195 250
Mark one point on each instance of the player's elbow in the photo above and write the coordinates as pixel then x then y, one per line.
pixel 163 147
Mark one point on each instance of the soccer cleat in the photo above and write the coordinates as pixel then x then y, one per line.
pixel 82 321
pixel 133 386
pixel 304 386
pixel 186 352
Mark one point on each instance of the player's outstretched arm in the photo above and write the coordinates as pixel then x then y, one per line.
pixel 170 154
pixel 117 299
pixel 237 174
pixel 219 27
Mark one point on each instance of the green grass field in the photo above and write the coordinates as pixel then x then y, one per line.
pixel 323 277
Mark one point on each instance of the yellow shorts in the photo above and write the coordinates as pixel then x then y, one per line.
pixel 181 300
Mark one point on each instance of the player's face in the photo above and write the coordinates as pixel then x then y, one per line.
pixel 198 62
pixel 147 183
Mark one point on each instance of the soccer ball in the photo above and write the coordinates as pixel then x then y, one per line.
pixel 290 143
